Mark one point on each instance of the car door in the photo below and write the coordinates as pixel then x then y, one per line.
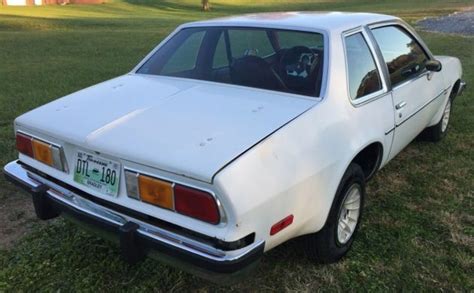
pixel 415 91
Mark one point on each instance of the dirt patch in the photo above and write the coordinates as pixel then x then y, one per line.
pixel 17 217
pixel 461 22
pixel 456 224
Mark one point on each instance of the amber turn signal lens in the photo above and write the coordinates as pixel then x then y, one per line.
pixel 42 152
pixel 156 191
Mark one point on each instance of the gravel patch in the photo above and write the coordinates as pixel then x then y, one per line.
pixel 461 22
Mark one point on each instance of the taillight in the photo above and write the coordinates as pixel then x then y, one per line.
pixel 131 182
pixel 195 203
pixel 24 144
pixel 44 152
pixel 184 200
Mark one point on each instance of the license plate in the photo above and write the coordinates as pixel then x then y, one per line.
pixel 100 174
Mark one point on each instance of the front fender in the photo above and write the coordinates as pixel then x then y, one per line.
pixel 452 73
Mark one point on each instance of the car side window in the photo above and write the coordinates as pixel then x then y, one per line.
pixel 405 58
pixel 363 75
pixel 185 56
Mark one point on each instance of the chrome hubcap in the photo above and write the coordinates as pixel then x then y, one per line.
pixel 349 214
pixel 446 114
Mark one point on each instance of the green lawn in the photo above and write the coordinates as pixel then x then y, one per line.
pixel 418 229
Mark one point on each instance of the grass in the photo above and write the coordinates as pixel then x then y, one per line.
pixel 417 231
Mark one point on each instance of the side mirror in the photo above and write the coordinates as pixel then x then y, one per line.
pixel 433 65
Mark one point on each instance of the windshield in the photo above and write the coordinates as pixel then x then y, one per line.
pixel 279 60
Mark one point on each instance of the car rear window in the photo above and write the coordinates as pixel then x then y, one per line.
pixel 279 60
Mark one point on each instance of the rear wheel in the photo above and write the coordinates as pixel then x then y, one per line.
pixel 334 240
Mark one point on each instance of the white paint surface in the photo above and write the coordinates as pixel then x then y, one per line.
pixel 209 135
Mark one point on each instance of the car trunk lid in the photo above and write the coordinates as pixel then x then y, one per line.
pixel 190 128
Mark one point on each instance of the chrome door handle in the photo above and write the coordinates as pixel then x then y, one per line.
pixel 400 105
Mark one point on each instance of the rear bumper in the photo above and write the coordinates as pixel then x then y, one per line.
pixel 136 237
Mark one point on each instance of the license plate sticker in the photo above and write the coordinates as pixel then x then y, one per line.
pixel 98 173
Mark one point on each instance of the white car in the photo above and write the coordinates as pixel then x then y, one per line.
pixel 237 134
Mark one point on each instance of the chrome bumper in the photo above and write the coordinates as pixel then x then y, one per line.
pixel 136 237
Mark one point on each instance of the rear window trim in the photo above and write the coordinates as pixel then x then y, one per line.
pixel 326 57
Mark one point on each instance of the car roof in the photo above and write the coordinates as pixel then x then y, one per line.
pixel 328 21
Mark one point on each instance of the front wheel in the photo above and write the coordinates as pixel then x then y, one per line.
pixel 437 132
pixel 334 240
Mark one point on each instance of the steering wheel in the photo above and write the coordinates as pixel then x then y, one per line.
pixel 254 71
pixel 297 66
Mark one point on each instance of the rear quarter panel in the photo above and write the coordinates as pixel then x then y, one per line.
pixel 297 169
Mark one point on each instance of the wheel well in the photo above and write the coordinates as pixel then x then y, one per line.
pixel 369 159
pixel 455 89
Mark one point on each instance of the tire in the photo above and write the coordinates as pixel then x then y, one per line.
pixel 326 245
pixel 437 132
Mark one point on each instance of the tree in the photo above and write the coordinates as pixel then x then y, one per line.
pixel 205 5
